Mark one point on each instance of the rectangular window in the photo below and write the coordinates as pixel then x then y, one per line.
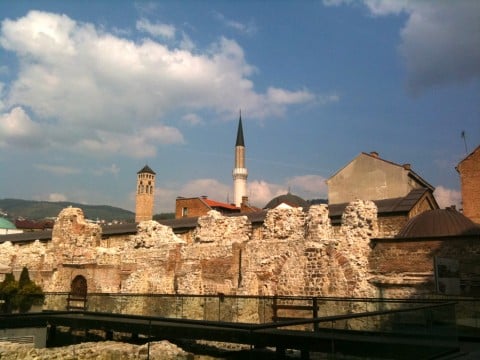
pixel 184 212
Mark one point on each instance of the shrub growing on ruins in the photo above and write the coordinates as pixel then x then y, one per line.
pixel 8 290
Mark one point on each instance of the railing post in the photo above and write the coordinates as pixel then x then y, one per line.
pixel 274 308
pixel 315 313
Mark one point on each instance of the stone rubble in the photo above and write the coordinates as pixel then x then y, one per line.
pixel 104 350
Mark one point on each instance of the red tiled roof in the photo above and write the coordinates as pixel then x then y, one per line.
pixel 213 203
pixel 30 224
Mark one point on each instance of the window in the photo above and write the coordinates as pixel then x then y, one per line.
pixel 184 212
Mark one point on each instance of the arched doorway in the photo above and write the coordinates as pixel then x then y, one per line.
pixel 77 298
pixel 79 286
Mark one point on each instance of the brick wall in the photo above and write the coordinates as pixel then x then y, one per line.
pixel 389 226
pixel 469 170
pixel 411 262
pixel 194 207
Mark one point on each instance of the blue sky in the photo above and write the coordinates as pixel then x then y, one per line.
pixel 91 92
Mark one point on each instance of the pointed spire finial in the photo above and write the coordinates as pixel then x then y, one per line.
pixel 240 140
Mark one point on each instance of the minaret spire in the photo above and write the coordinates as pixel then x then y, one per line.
pixel 240 172
pixel 240 140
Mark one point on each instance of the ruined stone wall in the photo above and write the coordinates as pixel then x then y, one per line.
pixel 293 253
pixel 114 241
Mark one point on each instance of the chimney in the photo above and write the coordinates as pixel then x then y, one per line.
pixel 374 154
pixel 407 167
pixel 204 196
pixel 244 200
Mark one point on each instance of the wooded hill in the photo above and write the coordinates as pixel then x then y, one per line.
pixel 36 210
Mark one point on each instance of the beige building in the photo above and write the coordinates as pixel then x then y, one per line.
pixel 398 192
pixel 369 177
pixel 469 170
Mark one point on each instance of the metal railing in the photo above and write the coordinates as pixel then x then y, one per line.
pixel 428 325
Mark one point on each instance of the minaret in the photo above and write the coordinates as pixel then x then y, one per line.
pixel 240 172
pixel 145 194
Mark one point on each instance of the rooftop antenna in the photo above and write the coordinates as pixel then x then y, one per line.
pixel 464 137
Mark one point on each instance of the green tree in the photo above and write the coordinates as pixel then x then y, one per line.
pixel 8 291
pixel 20 295
pixel 24 278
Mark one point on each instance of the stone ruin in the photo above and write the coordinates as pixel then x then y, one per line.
pixel 295 253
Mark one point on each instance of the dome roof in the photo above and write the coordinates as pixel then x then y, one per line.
pixel 288 199
pixel 5 224
pixel 439 222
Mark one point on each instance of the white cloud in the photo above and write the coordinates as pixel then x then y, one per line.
pixel 447 197
pixel 165 196
pixel 248 29
pixel 336 2
pixel 109 170
pixel 192 119
pixel 261 192
pixel 146 7
pixel 209 187
pixel 17 129
pixel 186 43
pixel 96 91
pixel 57 197
pixel 382 7
pixel 439 41
pixel 282 96
pixel 57 169
pixel 308 186
pixel 139 145
pixel 328 98
pixel 157 30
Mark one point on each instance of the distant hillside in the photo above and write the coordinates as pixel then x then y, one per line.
pixel 36 210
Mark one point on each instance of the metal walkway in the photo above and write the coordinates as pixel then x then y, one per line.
pixel 330 341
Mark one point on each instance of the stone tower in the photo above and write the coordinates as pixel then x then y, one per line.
pixel 240 172
pixel 145 194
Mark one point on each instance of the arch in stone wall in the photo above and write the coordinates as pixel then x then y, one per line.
pixel 78 287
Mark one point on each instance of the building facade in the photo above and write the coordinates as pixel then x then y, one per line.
pixel 469 170
pixel 369 177
pixel 397 191
pixel 199 206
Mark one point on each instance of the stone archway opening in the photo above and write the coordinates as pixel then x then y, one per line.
pixel 77 297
